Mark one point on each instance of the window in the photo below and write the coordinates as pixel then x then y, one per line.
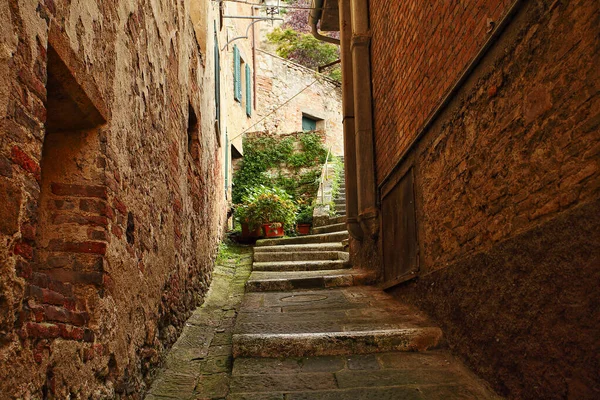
pixel 237 74
pixel 308 123
pixel 248 92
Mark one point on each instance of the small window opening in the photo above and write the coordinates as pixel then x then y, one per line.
pixel 129 233
pixel 192 128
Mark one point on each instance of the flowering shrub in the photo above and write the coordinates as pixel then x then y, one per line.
pixel 265 205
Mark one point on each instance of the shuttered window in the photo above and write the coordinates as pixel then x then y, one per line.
pixel 248 92
pixel 237 75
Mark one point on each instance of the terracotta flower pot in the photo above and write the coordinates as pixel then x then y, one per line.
pixel 303 229
pixel 273 230
pixel 247 233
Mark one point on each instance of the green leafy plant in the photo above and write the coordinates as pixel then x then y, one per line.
pixel 305 49
pixel 296 171
pixel 265 205
pixel 305 214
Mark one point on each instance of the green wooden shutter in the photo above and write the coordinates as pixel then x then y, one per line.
pixel 217 77
pixel 237 74
pixel 308 124
pixel 248 92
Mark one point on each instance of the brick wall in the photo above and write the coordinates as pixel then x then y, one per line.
pixel 109 218
pixel 432 44
pixel 507 184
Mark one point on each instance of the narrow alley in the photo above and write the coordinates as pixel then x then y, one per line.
pixel 299 199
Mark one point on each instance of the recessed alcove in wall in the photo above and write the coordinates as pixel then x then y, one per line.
pixel 73 210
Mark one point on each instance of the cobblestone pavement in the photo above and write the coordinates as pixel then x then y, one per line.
pixel 200 365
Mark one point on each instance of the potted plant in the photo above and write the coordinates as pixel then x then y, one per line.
pixel 304 219
pixel 245 213
pixel 275 210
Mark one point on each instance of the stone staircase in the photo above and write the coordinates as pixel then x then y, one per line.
pixel 307 312
pixel 304 295
pixel 315 261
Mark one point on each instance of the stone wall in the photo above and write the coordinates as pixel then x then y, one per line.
pixel 278 81
pixel 507 183
pixel 109 217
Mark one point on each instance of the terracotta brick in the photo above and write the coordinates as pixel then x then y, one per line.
pixel 22 159
pixel 65 189
pixel 79 219
pixel 42 330
pixel 120 206
pixel 24 250
pixel 78 247
pixel 71 332
pixel 93 206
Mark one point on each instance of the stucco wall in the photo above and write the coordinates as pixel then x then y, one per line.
pixel 279 81
pixel 108 243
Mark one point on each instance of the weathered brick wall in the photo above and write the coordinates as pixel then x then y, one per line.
pixel 108 230
pixel 418 51
pixel 507 185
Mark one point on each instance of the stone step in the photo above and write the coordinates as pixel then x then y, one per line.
pixel 275 256
pixel 320 238
pixel 330 228
pixel 337 220
pixel 340 201
pixel 269 281
pixel 288 266
pixel 310 247
pixel 434 374
pixel 353 320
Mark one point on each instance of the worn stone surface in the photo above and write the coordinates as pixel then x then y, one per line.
pixel 310 239
pixel 265 281
pixel 199 364
pixel 355 320
pixel 429 375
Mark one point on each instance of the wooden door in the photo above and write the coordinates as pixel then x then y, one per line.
pixel 400 247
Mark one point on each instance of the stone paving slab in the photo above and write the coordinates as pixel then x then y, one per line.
pixel 302 265
pixel 393 375
pixel 288 324
pixel 313 255
pixel 321 238
pixel 299 248
pixel 265 281
pixel 199 364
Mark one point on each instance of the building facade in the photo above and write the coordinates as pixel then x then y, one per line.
pixel 473 179
pixel 109 160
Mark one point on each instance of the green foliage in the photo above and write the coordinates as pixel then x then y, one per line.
pixel 266 205
pixel 305 214
pixel 336 171
pixel 265 153
pixel 305 49
pixel 228 252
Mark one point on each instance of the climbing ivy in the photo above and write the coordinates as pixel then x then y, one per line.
pixel 273 162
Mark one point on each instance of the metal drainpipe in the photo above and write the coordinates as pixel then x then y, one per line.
pixel 354 227
pixel 313 19
pixel 368 212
